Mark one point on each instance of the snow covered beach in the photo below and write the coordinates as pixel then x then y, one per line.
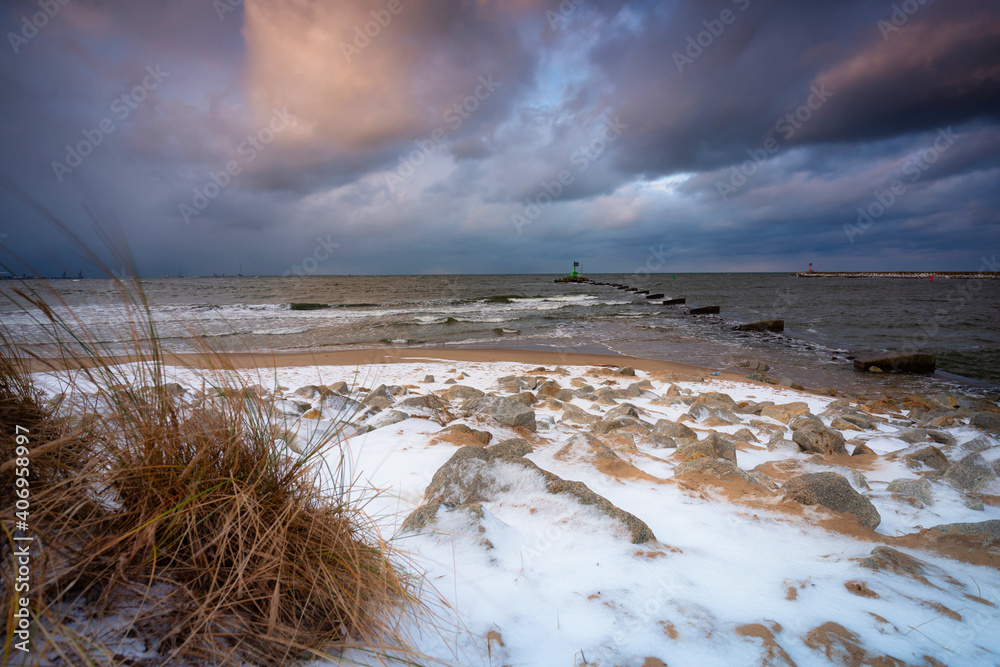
pixel 693 538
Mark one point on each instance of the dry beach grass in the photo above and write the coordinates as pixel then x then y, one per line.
pixel 172 532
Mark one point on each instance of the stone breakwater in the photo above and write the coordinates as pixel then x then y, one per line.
pixel 925 275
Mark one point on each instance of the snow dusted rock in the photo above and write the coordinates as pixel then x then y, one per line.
pixel 893 560
pixel 308 392
pixel 987 529
pixel 813 436
pixel 337 404
pixel 427 402
pixel 288 408
pixel 666 432
pixel 714 446
pixel 387 418
pixel 745 435
pixel 461 392
pixel 841 646
pixel 972 473
pixel 929 456
pixel 479 475
pixel 913 435
pixel 511 384
pixel 428 379
pixel 725 472
pixel 340 387
pixel 610 396
pixel 980 443
pixel 701 412
pixel 575 415
pixel 919 490
pixel 858 420
pixel 623 410
pixel 509 410
pixel 625 423
pixel 785 412
pixel 379 397
pixel 834 492
pixel 987 421
pixel 777 443
pixel 481 436
pixel 863 450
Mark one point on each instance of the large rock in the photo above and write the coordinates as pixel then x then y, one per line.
pixel 337 404
pixel 894 560
pixel 460 392
pixel 576 415
pixel 716 398
pixel 929 456
pixel 834 492
pixel 980 443
pixel 623 410
pixel 713 446
pixel 718 472
pixel 387 418
pixel 988 529
pixel 477 475
pixel 786 412
pixel 666 430
pixel 763 325
pixel 609 425
pixel 972 473
pixel 989 421
pixel 340 387
pixel 813 436
pixel 508 410
pixel 918 489
pixel 379 397
pixel 511 384
pixel 611 396
pixel 911 363
pixel 428 402
pixel 701 412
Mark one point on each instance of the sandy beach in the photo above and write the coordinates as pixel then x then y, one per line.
pixel 609 510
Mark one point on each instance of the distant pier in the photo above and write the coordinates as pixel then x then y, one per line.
pixel 923 275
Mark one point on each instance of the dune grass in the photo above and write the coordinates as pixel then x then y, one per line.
pixel 174 529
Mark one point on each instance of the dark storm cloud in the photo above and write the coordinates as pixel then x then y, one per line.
pixel 421 132
pixel 939 67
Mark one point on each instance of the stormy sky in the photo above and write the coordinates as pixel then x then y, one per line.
pixel 460 136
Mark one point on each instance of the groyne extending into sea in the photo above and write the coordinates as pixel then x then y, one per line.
pixel 925 275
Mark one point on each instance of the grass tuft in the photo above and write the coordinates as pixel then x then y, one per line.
pixel 178 530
